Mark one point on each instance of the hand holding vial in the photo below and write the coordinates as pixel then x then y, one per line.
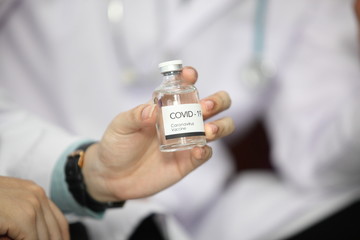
pixel 120 165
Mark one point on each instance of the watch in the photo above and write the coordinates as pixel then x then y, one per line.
pixel 76 184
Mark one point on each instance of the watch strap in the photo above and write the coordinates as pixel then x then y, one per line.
pixel 76 184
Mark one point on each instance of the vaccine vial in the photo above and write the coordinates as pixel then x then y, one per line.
pixel 180 123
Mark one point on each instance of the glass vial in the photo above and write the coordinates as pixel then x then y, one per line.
pixel 180 123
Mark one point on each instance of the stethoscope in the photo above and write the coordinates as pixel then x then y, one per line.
pixel 254 76
pixel 258 73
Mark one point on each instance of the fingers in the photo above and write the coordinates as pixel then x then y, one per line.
pixel 211 106
pixel 215 104
pixel 11 228
pixel 41 224
pixel 31 214
pixel 187 161
pixel 219 128
pixel 48 227
pixel 199 155
pixel 50 221
pixel 189 74
pixel 26 220
pixel 61 220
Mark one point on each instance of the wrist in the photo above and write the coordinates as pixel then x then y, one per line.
pixel 93 173
pixel 77 185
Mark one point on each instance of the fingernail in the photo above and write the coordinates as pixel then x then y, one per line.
pixel 200 153
pixel 214 128
pixel 209 105
pixel 147 112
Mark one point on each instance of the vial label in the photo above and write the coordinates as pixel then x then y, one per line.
pixel 184 120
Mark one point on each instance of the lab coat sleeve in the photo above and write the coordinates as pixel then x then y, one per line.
pixel 31 149
pixel 316 114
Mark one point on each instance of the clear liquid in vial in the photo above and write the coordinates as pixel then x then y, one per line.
pixel 184 95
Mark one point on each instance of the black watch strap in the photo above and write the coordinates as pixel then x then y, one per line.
pixel 76 184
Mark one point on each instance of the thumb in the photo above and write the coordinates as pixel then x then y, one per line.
pixel 139 117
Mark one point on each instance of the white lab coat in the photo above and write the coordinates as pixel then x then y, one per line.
pixel 58 59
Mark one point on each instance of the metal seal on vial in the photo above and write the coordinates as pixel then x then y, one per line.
pixel 170 66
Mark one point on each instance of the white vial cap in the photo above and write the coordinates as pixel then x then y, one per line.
pixel 170 66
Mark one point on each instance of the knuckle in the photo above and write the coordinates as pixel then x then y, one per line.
pixel 222 100
pixel 29 213
pixel 228 126
pixel 32 204
pixel 221 132
pixel 225 127
pixel 37 190
pixel 27 183
pixel 14 228
pixel 225 99
pixel 136 114
pixel 231 125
